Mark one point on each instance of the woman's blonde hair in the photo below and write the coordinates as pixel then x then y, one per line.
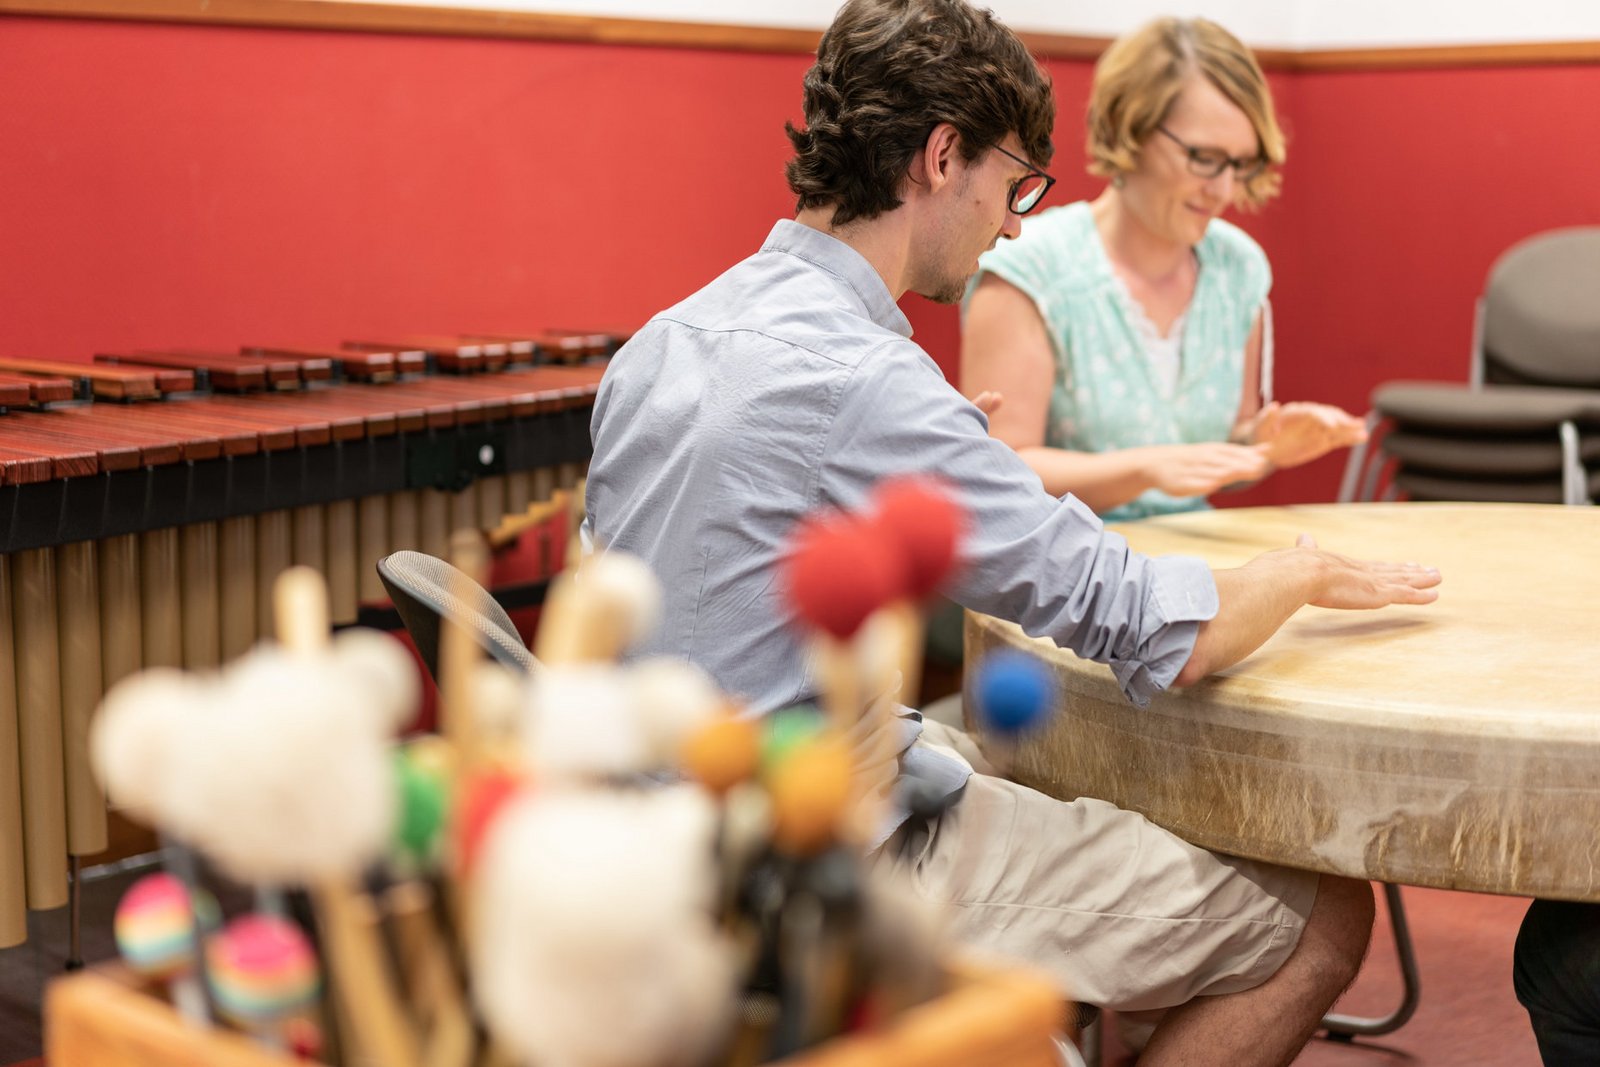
pixel 1141 74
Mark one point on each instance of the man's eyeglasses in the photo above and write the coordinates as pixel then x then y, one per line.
pixel 1028 190
pixel 1210 162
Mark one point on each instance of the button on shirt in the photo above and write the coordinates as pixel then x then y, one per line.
pixel 791 384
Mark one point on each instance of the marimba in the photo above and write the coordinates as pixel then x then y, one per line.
pixel 147 502
pixel 1454 745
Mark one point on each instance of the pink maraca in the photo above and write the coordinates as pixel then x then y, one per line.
pixel 262 971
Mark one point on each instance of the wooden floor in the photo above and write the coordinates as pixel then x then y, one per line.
pixel 1468 1016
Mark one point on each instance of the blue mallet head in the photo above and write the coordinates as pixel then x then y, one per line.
pixel 1015 693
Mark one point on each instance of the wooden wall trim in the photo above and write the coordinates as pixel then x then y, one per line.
pixel 1541 53
pixel 467 22
pixel 418 19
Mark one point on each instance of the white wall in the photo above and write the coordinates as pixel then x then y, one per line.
pixel 1303 24
pixel 1361 23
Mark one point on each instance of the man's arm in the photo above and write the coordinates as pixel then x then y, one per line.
pixel 1048 565
pixel 1257 598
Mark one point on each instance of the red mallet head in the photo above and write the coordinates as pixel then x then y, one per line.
pixel 481 798
pixel 920 515
pixel 838 571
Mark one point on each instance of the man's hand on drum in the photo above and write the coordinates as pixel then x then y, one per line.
pixel 1257 598
pixel 1354 583
pixel 1300 432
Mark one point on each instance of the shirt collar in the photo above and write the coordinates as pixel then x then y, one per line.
pixel 844 263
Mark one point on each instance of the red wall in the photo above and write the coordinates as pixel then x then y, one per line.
pixel 206 186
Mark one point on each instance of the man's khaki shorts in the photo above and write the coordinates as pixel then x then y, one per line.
pixel 1126 915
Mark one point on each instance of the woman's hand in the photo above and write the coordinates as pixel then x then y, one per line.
pixel 1300 432
pixel 988 402
pixel 1200 470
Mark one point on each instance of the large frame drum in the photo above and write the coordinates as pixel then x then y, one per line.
pixel 1454 745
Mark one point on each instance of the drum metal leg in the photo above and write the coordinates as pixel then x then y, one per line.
pixel 1345 1027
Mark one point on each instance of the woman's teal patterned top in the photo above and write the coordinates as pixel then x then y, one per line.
pixel 1106 395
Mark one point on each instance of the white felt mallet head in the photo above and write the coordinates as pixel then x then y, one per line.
pixel 499 698
pixel 673 699
pixel 387 673
pixel 134 731
pixel 289 778
pixel 598 610
pixel 594 942
pixel 581 724
pixel 626 593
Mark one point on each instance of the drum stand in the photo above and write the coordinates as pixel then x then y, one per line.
pixel 1346 1027
pixel 78 876
pixel 75 914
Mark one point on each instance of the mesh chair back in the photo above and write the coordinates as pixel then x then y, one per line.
pixel 423 589
pixel 1541 314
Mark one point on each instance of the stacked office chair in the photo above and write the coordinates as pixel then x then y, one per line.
pixel 1525 428
pixel 427 590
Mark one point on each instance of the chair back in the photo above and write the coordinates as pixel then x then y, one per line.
pixel 1541 311
pixel 425 590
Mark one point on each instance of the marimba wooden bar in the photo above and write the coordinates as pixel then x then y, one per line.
pixel 145 528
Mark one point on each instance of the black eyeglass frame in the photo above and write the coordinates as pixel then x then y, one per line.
pixel 1244 167
pixel 1033 172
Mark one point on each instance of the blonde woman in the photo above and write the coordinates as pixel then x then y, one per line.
pixel 1130 335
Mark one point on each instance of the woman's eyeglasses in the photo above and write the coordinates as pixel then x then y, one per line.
pixel 1210 162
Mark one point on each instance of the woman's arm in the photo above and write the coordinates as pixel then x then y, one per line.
pixel 1005 349
pixel 1250 409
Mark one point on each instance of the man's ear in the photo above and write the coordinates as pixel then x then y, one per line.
pixel 932 167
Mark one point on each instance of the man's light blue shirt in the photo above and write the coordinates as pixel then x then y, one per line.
pixel 790 384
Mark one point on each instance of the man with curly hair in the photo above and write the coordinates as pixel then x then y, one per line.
pixel 791 384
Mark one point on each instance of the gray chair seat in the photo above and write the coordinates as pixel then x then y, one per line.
pixel 1423 485
pixel 1513 457
pixel 1497 409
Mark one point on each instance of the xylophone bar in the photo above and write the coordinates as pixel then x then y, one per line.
pixel 351 366
pixel 450 445
pixel 234 376
pixel 23 391
pixel 112 383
